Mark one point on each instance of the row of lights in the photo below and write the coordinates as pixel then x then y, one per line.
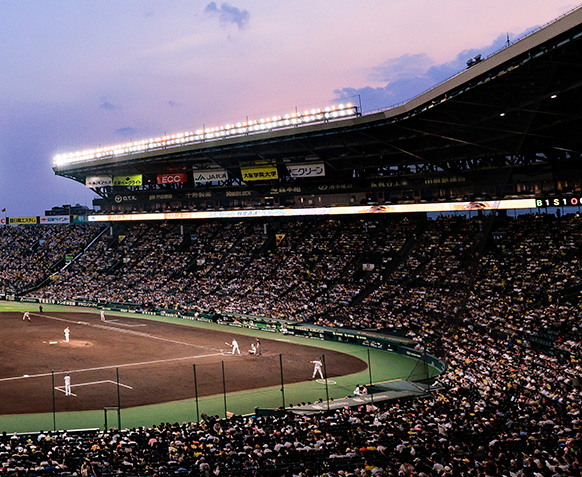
pixel 232 129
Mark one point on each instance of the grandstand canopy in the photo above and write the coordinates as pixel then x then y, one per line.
pixel 507 125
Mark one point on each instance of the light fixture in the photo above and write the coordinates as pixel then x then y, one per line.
pixel 269 123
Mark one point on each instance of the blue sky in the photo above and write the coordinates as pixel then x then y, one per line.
pixel 77 74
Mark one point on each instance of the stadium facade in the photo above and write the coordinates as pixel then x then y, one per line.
pixel 506 127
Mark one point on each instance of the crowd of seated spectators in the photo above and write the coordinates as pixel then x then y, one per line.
pixel 496 299
pixel 29 254
pixel 466 427
pixel 316 267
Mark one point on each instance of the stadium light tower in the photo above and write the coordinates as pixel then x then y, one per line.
pixel 290 120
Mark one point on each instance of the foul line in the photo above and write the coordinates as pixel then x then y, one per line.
pixel 143 363
pixel 121 330
pixel 58 388
pixel 124 324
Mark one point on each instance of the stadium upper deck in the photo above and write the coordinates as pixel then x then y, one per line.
pixel 507 125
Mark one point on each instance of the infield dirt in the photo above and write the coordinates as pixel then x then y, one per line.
pixel 152 361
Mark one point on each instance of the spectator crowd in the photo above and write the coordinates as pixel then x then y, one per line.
pixel 496 298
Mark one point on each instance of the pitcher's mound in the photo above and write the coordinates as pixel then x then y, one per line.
pixel 79 343
pixel 71 343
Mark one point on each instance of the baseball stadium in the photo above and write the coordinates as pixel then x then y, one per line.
pixel 322 292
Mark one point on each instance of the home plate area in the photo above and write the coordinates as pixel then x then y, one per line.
pixel 93 383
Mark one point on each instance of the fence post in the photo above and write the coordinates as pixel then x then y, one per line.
pixel 224 389
pixel 196 394
pixel 54 405
pixel 370 375
pixel 282 380
pixel 326 385
pixel 118 402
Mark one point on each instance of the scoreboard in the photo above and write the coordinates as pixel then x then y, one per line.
pixel 570 201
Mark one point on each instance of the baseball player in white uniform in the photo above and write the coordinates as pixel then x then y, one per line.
pixel 67 334
pixel 235 347
pixel 68 385
pixel 26 316
pixel 102 314
pixel 360 390
pixel 317 368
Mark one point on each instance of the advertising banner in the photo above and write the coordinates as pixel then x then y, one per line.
pixel 259 173
pixel 119 198
pixel 173 178
pixel 209 175
pixel 79 219
pixel 55 219
pixel 22 220
pixel 98 181
pixel 133 180
pixel 341 210
pixel 314 169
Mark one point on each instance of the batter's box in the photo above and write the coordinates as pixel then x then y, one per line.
pixel 92 383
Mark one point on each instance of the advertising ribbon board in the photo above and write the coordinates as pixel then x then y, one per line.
pixel 209 175
pixel 173 178
pixel 98 181
pixel 55 219
pixel 259 173
pixel 306 170
pixel 133 180
pixel 79 219
pixel 22 220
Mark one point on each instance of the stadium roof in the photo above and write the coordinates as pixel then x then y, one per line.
pixel 512 116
